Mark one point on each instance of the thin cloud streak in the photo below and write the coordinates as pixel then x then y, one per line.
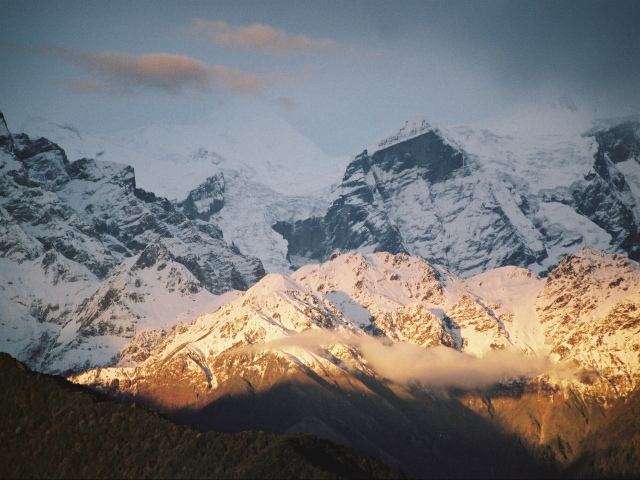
pixel 122 73
pixel 160 71
pixel 404 363
pixel 260 37
pixel 89 87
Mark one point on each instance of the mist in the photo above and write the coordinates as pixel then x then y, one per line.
pixel 405 363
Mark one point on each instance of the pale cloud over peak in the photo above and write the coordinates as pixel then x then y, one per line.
pixel 238 81
pixel 123 73
pixel 159 70
pixel 260 37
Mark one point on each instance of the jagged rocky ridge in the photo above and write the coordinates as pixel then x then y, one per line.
pixel 526 191
pixel 89 260
pixel 473 200
pixel 242 168
pixel 366 344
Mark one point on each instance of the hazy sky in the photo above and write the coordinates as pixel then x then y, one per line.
pixel 343 72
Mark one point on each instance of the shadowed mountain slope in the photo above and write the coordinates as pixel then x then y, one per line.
pixel 51 428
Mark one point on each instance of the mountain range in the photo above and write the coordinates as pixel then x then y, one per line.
pixel 470 292
pixel 370 350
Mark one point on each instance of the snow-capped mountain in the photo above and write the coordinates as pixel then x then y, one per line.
pixel 487 281
pixel 525 189
pixel 404 299
pixel 89 260
pixel 524 193
pixel 242 167
pixel 358 322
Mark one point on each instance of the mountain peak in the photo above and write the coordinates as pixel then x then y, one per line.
pixel 412 128
pixel 273 282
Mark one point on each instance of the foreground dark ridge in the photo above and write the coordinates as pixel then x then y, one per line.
pixel 51 428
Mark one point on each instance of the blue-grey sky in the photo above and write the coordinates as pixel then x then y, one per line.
pixel 344 72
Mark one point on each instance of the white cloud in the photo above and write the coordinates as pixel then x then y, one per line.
pixel 116 72
pixel 405 363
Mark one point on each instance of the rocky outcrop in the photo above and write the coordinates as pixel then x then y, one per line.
pixel 620 143
pixel 205 200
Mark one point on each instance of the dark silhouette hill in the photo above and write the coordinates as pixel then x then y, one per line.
pixel 51 428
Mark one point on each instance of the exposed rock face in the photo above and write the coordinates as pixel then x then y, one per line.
pixel 362 216
pixel 617 160
pixel 97 202
pixel 205 200
pixel 465 200
pixel 620 143
pixel 600 319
